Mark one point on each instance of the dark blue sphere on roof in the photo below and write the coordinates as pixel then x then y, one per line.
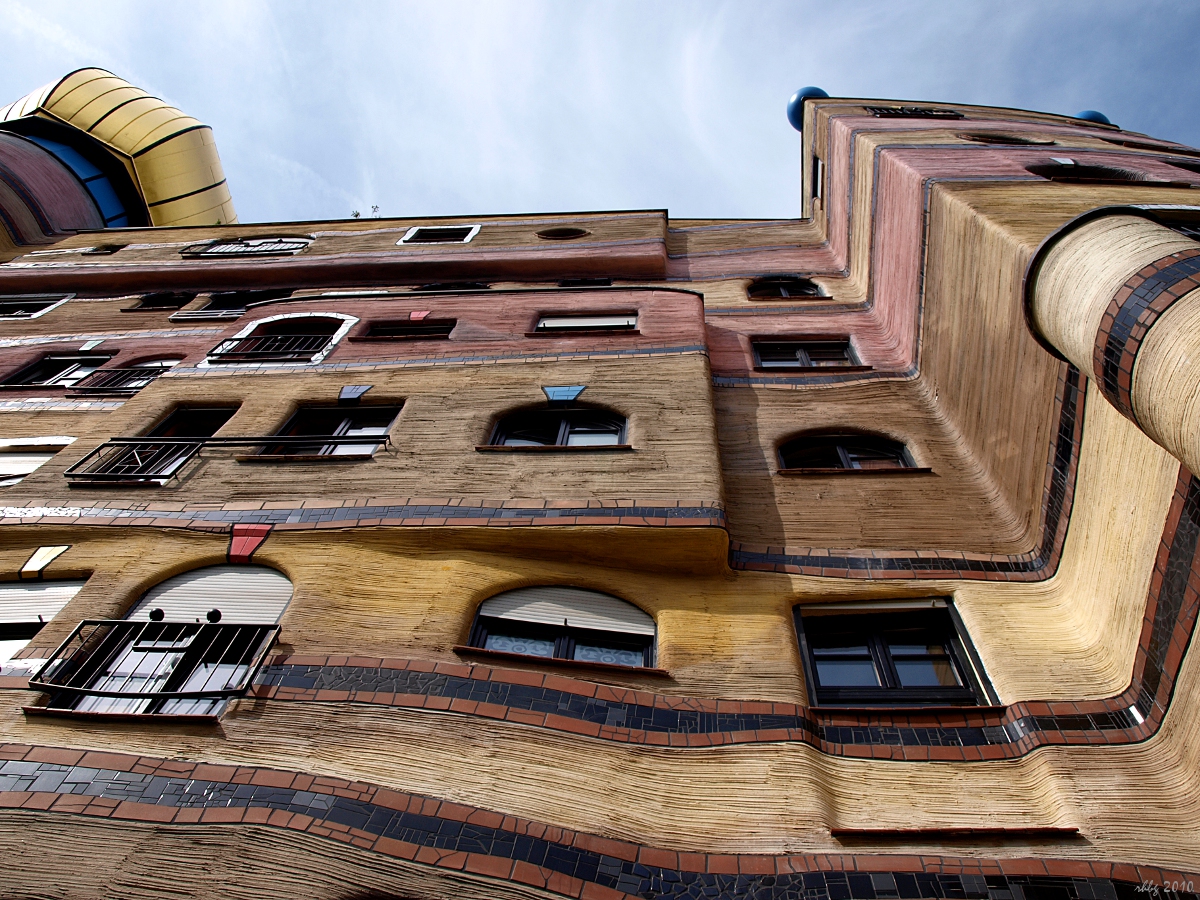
pixel 796 105
pixel 1092 115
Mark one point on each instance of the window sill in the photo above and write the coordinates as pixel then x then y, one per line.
pixel 556 448
pixel 371 338
pixel 583 332
pixel 151 718
pixel 501 655
pixel 901 471
pixel 1049 832
pixel 298 457
pixel 815 370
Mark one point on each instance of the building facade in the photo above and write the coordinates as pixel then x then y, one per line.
pixel 602 554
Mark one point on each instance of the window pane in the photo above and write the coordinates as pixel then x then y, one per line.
pixel 846 673
pixel 568 323
pixel 924 666
pixel 513 644
pixel 12 464
pixel 592 438
pixel 613 655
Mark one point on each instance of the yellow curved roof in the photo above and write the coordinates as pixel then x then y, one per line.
pixel 171 157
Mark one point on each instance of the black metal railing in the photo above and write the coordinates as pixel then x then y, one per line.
pixel 154 460
pixel 174 668
pixel 270 348
pixel 117 381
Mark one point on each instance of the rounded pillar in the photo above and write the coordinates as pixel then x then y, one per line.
pixel 1120 298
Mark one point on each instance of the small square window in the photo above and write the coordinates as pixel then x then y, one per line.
pixel 440 234
pixel 812 353
pixel 911 657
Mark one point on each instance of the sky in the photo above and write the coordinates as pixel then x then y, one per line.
pixel 466 107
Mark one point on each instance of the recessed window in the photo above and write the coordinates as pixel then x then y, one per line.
pixel 451 287
pixel 190 644
pixel 1188 165
pixel 345 433
pixel 1000 137
pixel 912 112
pixel 163 300
pixel 64 370
pixel 28 306
pixel 560 428
pixel 585 282
pixel 409 330
pixel 291 339
pixel 1147 145
pixel 125 381
pixel 778 287
pixel 565 623
pixel 25 608
pixel 1069 171
pixel 440 234
pixel 844 451
pixel 241 247
pixel 914 657
pixel 814 353
pixel 582 324
pixel 565 233
pixel 23 456
pixel 230 304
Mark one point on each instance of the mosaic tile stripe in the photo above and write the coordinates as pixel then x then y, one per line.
pixel 105 336
pixel 1131 314
pixel 1057 496
pixel 569 863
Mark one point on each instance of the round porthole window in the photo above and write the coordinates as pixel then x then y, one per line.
pixel 562 234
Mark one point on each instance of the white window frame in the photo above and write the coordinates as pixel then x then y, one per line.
pixel 40 312
pixel 408 235
pixel 348 322
pixel 56 443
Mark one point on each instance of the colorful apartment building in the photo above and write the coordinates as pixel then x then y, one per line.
pixel 602 554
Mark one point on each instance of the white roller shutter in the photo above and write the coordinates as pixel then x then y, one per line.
pixel 577 607
pixel 243 594
pixel 34 601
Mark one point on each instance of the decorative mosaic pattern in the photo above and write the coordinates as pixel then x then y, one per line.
pixel 465 838
pixel 1132 313
pixel 1057 496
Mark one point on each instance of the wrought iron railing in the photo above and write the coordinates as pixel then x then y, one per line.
pixel 117 381
pixel 154 460
pixel 174 668
pixel 270 348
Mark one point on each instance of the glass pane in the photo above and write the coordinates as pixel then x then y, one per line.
pixel 846 673
pixel 613 655
pixel 22 463
pixel 513 644
pixel 932 671
pixel 592 439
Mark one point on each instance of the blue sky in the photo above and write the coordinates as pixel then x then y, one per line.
pixel 439 108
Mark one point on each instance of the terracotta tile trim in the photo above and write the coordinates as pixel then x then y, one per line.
pixel 454 836
pixel 1131 314
pixel 1057 497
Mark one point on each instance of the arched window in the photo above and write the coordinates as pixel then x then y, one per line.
pixel 299 338
pixel 188 645
pixel 843 450
pixel 565 623
pixel 782 287
pixel 554 427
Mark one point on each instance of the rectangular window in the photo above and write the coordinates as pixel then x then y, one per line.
pixel 408 330
pixel 575 324
pixel 25 608
pixel 58 371
pixel 440 234
pixel 814 353
pixel 913 657
pixel 163 300
pixel 28 306
pixel 340 432
pixel 21 456
pixel 912 112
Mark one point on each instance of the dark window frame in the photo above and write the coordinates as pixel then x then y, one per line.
pixel 420 330
pixel 941 624
pixel 839 445
pixel 537 331
pixel 21 378
pixel 913 112
pixel 567 416
pixel 327 452
pixel 44 302
pixel 565 638
pixel 208 249
pixel 805 362
pixel 783 287
pixel 439 234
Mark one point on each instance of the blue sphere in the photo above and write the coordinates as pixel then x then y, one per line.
pixel 796 105
pixel 1092 115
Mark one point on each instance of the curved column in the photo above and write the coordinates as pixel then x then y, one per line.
pixel 1120 298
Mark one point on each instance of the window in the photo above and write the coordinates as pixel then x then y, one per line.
pixel 290 339
pixel 584 324
pixel 191 643
pixel 913 657
pixel 560 428
pixel 346 432
pixel 22 456
pixel 565 623
pixel 813 353
pixel 126 381
pixel 28 306
pixel 161 300
pixel 585 282
pixel 156 457
pixel 58 371
pixel 440 234
pixel 451 287
pixel 1068 171
pixel 564 233
pixel 781 287
pixel 240 247
pixel 408 330
pixel 230 304
pixel 999 137
pixel 912 112
pixel 25 608
pixel 831 451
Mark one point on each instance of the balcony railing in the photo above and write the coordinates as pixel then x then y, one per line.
pixel 270 348
pixel 173 668
pixel 124 382
pixel 154 460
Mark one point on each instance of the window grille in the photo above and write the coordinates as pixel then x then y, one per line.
pixel 560 428
pixel 340 432
pixel 242 247
pixel 913 112
pixel 440 234
pixel 565 623
pixel 830 353
pixel 915 657
pixel 122 381
pixel 844 451
pixel 297 339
